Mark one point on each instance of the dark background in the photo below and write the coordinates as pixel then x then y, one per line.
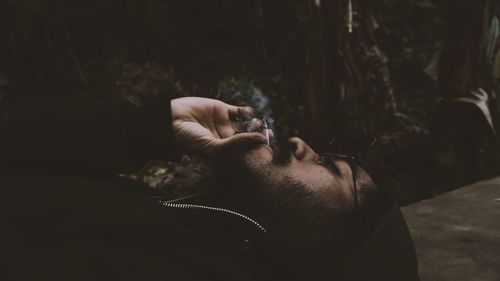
pixel 302 58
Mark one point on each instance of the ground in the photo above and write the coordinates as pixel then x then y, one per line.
pixel 457 235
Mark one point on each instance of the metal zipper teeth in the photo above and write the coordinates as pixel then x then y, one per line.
pixel 192 206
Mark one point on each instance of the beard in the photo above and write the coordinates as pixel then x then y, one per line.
pixel 239 176
pixel 287 208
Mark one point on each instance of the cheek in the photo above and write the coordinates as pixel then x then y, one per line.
pixel 337 198
pixel 312 177
pixel 331 191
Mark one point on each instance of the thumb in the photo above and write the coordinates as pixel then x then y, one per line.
pixel 240 141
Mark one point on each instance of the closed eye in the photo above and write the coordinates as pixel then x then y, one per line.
pixel 329 164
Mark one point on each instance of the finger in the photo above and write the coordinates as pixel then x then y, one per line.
pixel 254 125
pixel 239 141
pixel 240 112
pixel 239 126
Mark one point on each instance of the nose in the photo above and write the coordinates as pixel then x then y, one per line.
pixel 300 149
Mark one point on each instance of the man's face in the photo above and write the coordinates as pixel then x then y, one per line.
pixel 286 184
pixel 301 201
pixel 297 163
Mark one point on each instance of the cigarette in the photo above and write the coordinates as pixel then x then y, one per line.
pixel 266 132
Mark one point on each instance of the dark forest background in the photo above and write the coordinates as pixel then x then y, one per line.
pixel 344 69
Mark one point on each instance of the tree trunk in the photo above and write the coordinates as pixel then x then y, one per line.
pixel 463 65
pixel 461 130
pixel 348 90
pixel 322 64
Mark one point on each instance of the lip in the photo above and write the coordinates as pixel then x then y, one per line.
pixel 268 148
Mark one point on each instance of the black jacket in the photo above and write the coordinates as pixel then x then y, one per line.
pixel 63 218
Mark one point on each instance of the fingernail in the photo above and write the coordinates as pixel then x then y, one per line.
pixel 249 110
pixel 255 125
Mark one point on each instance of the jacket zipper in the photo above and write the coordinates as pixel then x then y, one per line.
pixel 201 207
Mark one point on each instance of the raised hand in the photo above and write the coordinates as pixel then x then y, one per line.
pixel 207 127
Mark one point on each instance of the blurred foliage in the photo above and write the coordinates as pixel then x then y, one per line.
pixel 175 180
pixel 144 83
pixel 141 51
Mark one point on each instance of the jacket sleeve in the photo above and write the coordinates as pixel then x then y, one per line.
pixel 71 136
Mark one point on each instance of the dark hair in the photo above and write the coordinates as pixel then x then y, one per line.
pixel 321 228
pixel 359 225
pixel 329 235
pixel 376 203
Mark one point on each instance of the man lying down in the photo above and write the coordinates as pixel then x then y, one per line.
pixel 277 212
